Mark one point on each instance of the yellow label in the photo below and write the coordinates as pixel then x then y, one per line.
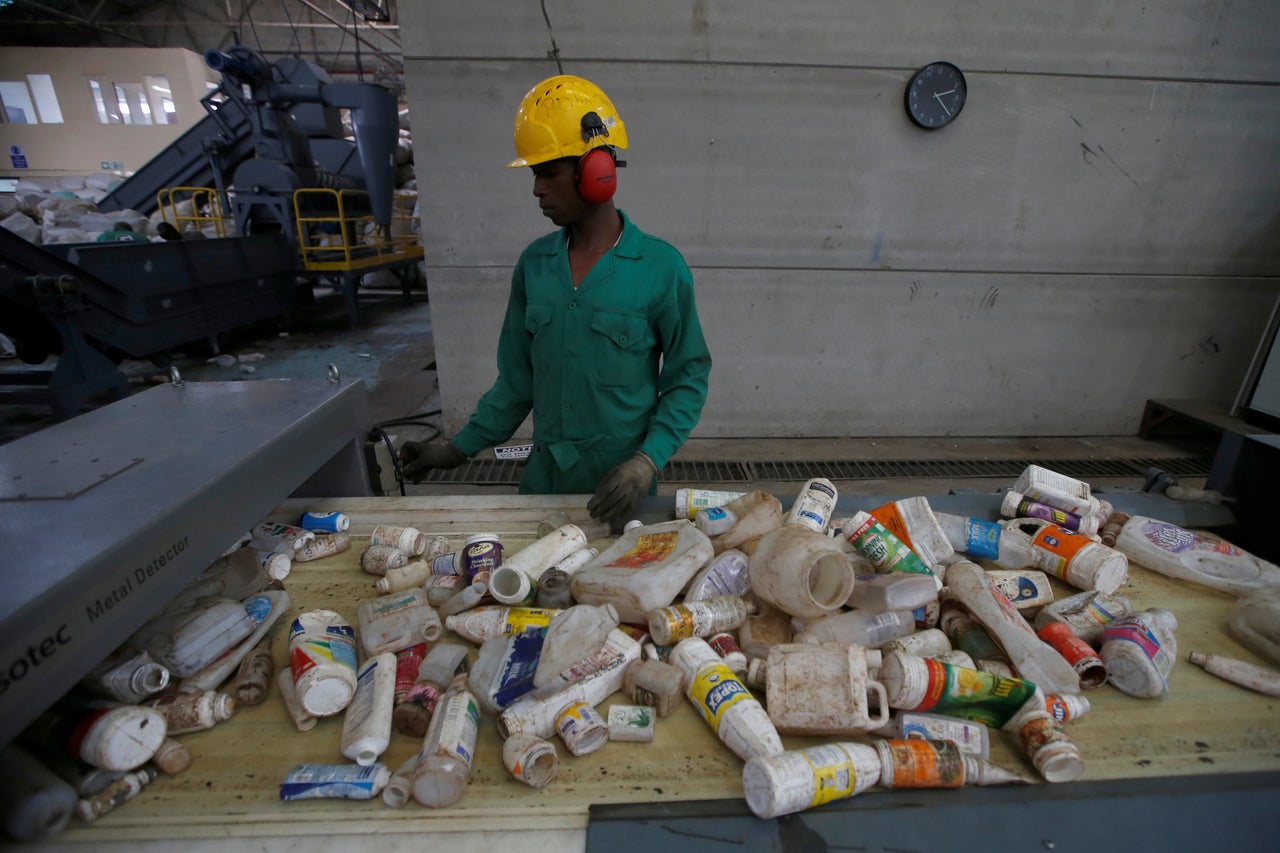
pixel 520 619
pixel 650 548
pixel 715 690
pixel 834 776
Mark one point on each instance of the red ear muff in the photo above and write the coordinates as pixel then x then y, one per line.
pixel 597 176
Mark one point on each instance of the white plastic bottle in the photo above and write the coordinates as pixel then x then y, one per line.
pixel 737 717
pixel 1139 651
pixel 644 569
pixel 813 505
pixel 1057 490
pixel 726 574
pixel 1192 556
pixel 193 712
pixel 867 629
pixel 669 625
pixel 540 555
pixel 791 782
pixel 572 635
pixel 396 621
pixel 322 659
pixel 892 591
pixel 113 737
pixel 366 728
pixel 126 675
pixel 485 623
pixel 1034 659
pixel 914 523
pixel 537 714
pixel 987 540
pixel 188 639
pixel 801 572
pixel 1073 557
pixel 441 776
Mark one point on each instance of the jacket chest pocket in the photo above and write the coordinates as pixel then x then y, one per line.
pixel 620 347
pixel 537 322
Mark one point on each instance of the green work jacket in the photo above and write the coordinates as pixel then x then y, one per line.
pixel 616 365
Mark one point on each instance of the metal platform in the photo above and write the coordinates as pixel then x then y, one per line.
pixel 105 517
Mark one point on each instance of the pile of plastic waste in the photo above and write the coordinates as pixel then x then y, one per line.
pixel 906 639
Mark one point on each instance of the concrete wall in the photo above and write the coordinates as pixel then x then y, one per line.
pixel 1101 225
pixel 80 145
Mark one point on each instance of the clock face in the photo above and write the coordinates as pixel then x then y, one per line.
pixel 935 95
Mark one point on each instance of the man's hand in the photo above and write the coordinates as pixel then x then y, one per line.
pixel 420 457
pixel 620 490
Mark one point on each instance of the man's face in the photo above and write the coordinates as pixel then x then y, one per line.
pixel 556 191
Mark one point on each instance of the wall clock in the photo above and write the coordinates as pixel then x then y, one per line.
pixel 935 95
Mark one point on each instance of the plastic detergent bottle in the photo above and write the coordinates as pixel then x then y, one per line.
pixel 813 505
pixel 442 773
pixel 1073 557
pixel 921 684
pixel 1032 657
pixel 987 540
pixel 1057 490
pixel 366 728
pixel 920 763
pixel 913 522
pixel 892 591
pixel 392 622
pixel 1192 556
pixel 801 572
pixel 867 629
pixel 726 574
pixel 737 717
pixel 790 782
pixel 322 659
pixel 885 551
pixel 644 569
pixel 1139 651
pixel 668 625
pixel 34 803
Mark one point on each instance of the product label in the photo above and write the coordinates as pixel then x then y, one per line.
pixel 1040 732
pixel 715 513
pixel 715 690
pixel 650 548
pixel 1017 588
pixel 446 564
pixel 1133 630
pixel 388 604
pixel 362 703
pixel 1028 508
pixel 678 621
pixel 574 720
pixel 883 549
pixel 460 727
pixel 258 607
pixel 968 736
pixel 973 695
pixel 891 517
pixel 982 538
pixel 834 776
pixel 1057 706
pixel 515 672
pixel 341 781
pixel 923 764
pixel 311 648
pixel 481 557
pixel 407 663
pixel 521 619
pixel 1175 540
pixel 1057 547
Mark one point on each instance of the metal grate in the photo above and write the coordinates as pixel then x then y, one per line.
pixel 492 472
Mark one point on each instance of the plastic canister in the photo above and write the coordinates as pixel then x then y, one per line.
pixel 822 690
pixel 1074 557
pixel 322 658
pixel 392 622
pixel 655 683
pixel 814 504
pixel 920 684
pixel 1193 556
pixel 801 572
pixel 724 702
pixel 644 569
pixel 1139 651
pixel 790 782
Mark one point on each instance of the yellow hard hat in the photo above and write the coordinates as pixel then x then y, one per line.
pixel 554 120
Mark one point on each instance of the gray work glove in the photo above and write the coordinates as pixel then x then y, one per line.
pixel 420 457
pixel 620 490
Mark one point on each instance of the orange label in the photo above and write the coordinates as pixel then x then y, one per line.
pixel 889 516
pixel 650 548
pixel 925 764
pixel 1061 543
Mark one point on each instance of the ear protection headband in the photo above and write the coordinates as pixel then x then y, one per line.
pixel 597 173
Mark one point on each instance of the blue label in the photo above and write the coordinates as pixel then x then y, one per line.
pixel 1026 591
pixel 258 608
pixel 516 676
pixel 715 513
pixel 982 538
pixel 327 521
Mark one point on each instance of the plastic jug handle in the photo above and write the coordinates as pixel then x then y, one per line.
pixel 878 688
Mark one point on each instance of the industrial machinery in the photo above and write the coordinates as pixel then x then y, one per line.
pixel 288 198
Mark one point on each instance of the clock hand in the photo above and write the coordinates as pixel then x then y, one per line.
pixel 941 104
pixel 948 92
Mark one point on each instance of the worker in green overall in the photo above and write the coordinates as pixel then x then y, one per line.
pixel 601 338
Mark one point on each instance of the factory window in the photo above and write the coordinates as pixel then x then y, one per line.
pixel 103 104
pixel 15 103
pixel 46 98
pixel 133 106
pixel 160 96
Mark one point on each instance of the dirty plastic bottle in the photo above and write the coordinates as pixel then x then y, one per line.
pixel 326 522
pixel 572 635
pixel 530 759
pixel 737 717
pixel 116 794
pixel 801 572
pixel 1057 490
pixel 1025 588
pixel 715 520
pixel 553 589
pixel 400 786
pixel 892 591
pixel 1017 505
pixel 594 529
pixel 322 659
pixel 689 501
pixel 1073 557
pixel 264 610
pixel 1077 652
pixel 764 629
pixel 823 690
pixel 814 504
pixel 655 683
pixel 582 728
pixel 511 586
pixel 1193 556
pixel 1034 659
pixel 920 763
pixel 380 559
pixel 921 684
pixel 1086 613
pixel 302 720
pixel 972 737
pixel 1066 708
pixel 366 727
pixel 988 540
pixel 790 782
pixel 966 633
pixel 321 547
pixel 281 534
pixel 126 675
pixel 34 803
pixel 172 757
pixel 1255 622
pixel 537 714
pixel 276 565
pixel 914 523
pixel 644 569
pixel 442 773
pixel 413 714
pixel 1254 677
pixel 187 639
pixel 253 677
pixel 726 574
pixel 1043 741
pixel 1139 651
pixel 485 623
pixel 540 555
pixel 871 630
pixel 880 547
pixel 730 652
pixel 396 621
pixel 193 712
pixel 235 576
pixel 668 625
pixel 101 733
pixel 410 540
pixel 464 599
pixel 932 641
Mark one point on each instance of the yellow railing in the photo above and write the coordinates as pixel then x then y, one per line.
pixel 337 231
pixel 204 213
